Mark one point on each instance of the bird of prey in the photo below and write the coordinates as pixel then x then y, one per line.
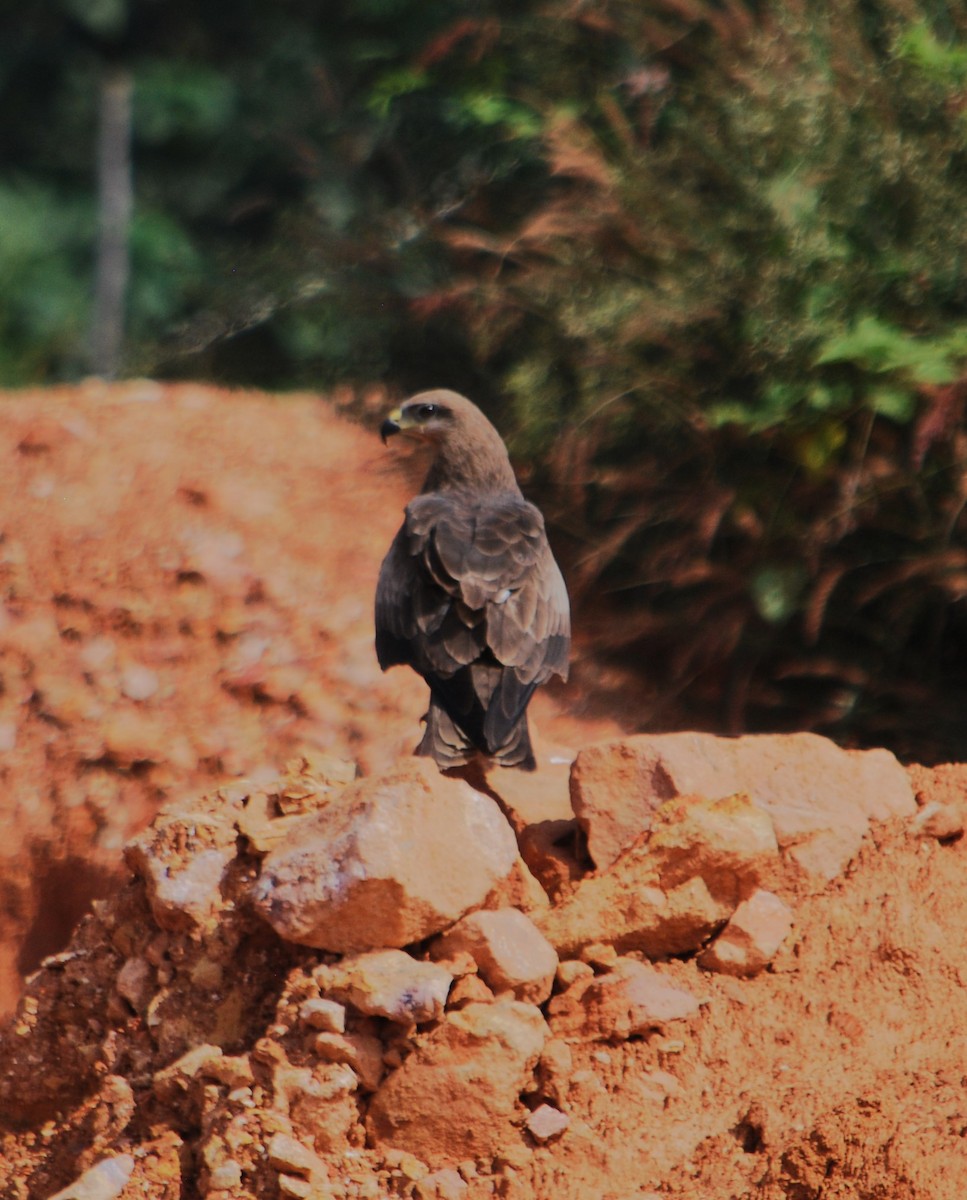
pixel 469 594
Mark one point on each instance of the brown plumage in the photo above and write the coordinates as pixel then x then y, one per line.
pixel 469 594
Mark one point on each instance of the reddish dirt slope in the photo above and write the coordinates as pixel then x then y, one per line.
pixel 187 578
pixel 186 591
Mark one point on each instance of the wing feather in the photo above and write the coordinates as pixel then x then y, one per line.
pixel 471 597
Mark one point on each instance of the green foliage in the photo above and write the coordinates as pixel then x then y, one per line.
pixel 45 241
pixel 182 100
pixel 705 262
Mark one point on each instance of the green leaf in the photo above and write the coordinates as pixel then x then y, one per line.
pixel 897 404
pixel 176 99
pixel 776 590
pixel 940 63
pixel 107 18
pixel 402 81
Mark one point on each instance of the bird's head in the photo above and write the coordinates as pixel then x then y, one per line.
pixel 428 417
pixel 467 450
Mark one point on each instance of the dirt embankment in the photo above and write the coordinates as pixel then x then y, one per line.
pixel 686 967
pixel 186 583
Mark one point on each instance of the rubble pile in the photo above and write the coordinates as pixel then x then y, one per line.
pixel 335 987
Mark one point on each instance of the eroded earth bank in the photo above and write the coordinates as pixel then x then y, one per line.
pixel 669 965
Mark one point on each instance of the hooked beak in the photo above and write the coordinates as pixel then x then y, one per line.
pixel 390 426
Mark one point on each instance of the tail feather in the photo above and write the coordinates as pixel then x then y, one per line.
pixel 449 746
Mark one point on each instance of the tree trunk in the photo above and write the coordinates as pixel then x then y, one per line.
pixel 114 188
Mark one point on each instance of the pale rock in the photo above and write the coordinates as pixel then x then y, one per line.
pixel 570 970
pixel 232 1070
pixel 361 1051
pixel 104 1181
pixel 820 798
pixel 940 821
pixel 135 982
pixel 296 1187
pixel 405 1164
pixel 469 989
pixel 728 843
pixel 327 1015
pixel 749 941
pixel 533 797
pixel 456 1095
pixel 191 896
pixel 615 789
pixel 388 983
pixel 138 682
pixel 445 1184
pixel 632 999
pixel 620 905
pixel 288 1154
pixel 546 1122
pixel 182 859
pixel 511 954
pixel 226 1177
pixel 554 1070
pixel 172 1082
pixel 131 736
pixel 669 892
pixel 602 955
pixel 397 859
pixel 320 1101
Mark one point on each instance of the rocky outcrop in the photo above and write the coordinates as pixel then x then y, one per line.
pixel 325 984
pixel 819 798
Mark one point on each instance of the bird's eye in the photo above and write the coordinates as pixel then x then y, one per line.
pixel 426 411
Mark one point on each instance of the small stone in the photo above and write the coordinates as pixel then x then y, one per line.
pixel 940 821
pixel 631 999
pixel 171 1082
pixel 572 969
pixel 327 1015
pixel 554 1069
pixel 295 1186
pixel 446 1184
pixel 135 982
pixel 599 954
pixel 411 1167
pixel 182 863
pixel 388 983
pixel 225 1177
pixel 135 735
pixel 545 1123
pixel 104 1181
pixel 750 940
pixel 471 989
pixel 511 954
pixel 289 1155
pixel 138 682
pixel 320 1101
pixel 232 1070
pixel 362 1052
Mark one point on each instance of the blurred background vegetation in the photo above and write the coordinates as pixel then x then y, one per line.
pixel 704 261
